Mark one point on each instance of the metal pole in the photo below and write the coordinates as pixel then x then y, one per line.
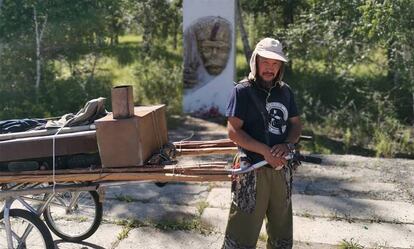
pixel 73 201
pixel 6 220
pixel 43 190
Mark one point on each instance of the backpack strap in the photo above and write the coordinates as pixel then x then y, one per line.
pixel 260 107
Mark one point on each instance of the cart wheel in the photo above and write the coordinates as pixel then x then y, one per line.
pixel 74 216
pixel 21 222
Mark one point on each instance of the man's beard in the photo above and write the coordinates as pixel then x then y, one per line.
pixel 265 83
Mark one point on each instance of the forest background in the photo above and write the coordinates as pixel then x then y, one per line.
pixel 351 62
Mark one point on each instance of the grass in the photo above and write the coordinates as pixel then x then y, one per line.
pixel 372 66
pixel 345 244
pixel 201 206
pixel 127 226
pixel 119 63
pixel 326 141
pixel 130 39
pixel 382 245
pixel 339 217
pixel 187 224
pixel 120 75
pixel 211 185
pixel 376 67
pixel 124 198
pixel 193 224
pixel 124 233
pixel 307 215
pixel 79 219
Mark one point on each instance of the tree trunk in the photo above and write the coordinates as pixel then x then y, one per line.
pixel 95 62
pixel 1 45
pixel 175 32
pixel 244 36
pixel 412 121
pixel 288 13
pixel 1 55
pixel 39 36
pixel 412 93
pixel 391 60
pixel 147 34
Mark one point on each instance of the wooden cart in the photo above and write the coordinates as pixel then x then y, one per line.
pixel 75 193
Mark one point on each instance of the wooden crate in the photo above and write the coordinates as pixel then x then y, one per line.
pixel 131 141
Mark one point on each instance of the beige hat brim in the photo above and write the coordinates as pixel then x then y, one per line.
pixel 272 55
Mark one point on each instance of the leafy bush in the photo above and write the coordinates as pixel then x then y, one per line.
pixel 159 82
pixel 69 95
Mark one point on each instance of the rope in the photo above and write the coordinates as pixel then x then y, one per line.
pixel 185 139
pixel 180 143
pixel 155 123
pixel 54 155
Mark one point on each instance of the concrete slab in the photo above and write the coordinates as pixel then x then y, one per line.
pixel 390 211
pixel 150 238
pixel 215 217
pixel 308 245
pixel 323 206
pixel 103 238
pixel 171 193
pixel 341 171
pixel 116 210
pixel 220 184
pixel 326 231
pixel 355 189
pixel 219 198
pixel 361 160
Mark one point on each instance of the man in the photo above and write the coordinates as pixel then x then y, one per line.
pixel 263 121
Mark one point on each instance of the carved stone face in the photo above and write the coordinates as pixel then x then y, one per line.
pixel 213 36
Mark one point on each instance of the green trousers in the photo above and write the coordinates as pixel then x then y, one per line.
pixel 272 202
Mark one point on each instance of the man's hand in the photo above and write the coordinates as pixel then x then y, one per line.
pixel 280 150
pixel 240 137
pixel 275 162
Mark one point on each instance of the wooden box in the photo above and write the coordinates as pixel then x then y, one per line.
pixel 131 141
pixel 122 102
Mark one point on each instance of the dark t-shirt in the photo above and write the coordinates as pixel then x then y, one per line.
pixel 280 106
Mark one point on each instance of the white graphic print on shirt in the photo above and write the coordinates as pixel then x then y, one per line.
pixel 278 117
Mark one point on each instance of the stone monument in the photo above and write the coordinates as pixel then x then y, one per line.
pixel 209 65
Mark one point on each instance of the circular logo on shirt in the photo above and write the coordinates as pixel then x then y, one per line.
pixel 278 117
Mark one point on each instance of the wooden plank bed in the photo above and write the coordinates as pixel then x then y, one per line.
pixel 211 171
pixel 40 147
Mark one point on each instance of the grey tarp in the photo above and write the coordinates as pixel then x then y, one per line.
pixel 92 110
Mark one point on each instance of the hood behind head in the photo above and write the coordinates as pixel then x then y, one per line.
pixel 268 48
pixel 253 68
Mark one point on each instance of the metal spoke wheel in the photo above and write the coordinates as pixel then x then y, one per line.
pixel 28 231
pixel 74 216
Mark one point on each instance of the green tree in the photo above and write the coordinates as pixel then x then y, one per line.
pixel 69 31
pixel 390 25
pixel 156 20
